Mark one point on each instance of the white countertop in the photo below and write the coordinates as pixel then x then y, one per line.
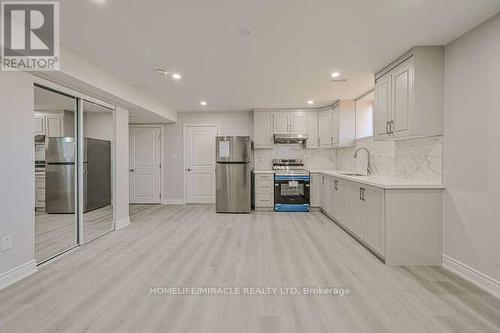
pixel 382 182
pixel 372 180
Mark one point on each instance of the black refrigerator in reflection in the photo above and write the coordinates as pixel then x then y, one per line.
pixel 60 175
pixel 233 171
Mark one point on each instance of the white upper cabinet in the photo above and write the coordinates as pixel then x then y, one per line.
pixel 50 124
pixel 290 122
pixel 39 125
pixel 325 137
pixel 312 129
pixel 263 130
pixel 281 124
pixel 337 126
pixel 409 95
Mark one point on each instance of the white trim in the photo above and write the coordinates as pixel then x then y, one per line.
pixel 179 201
pixel 17 274
pixel 122 223
pixel 184 132
pixel 69 91
pixel 483 281
pixel 163 162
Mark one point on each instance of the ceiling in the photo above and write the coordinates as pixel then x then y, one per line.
pixel 239 55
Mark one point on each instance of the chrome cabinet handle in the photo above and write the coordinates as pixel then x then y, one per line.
pixel 336 185
pixel 387 127
pixel 362 194
pixel 392 127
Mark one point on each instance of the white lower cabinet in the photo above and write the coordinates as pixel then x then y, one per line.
pixel 402 226
pixel 264 190
pixel 315 190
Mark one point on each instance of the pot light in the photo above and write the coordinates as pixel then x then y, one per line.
pixel 203 103
pixel 335 74
pixel 176 76
pixel 311 102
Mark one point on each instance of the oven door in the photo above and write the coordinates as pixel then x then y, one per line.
pixel 291 190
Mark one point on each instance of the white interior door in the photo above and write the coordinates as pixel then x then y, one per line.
pixel 145 165
pixel 199 163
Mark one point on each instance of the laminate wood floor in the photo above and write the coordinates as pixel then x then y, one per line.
pixel 55 233
pixel 104 286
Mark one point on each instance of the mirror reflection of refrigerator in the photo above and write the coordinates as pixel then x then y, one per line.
pixel 233 174
pixel 60 175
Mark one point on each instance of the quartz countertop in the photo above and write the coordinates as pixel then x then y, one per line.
pixel 379 181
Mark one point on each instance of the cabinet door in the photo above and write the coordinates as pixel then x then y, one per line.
pixel 373 219
pixel 39 125
pixel 312 129
pixel 339 194
pixel 325 129
pixel 54 126
pixel 324 193
pixel 281 122
pixel 352 212
pixel 315 190
pixel 263 131
pixel 382 105
pixel 402 91
pixel 298 122
pixel 335 126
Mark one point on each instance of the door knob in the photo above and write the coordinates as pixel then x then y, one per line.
pixel 188 170
pixel 131 170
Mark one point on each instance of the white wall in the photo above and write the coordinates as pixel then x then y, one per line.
pixel 231 123
pixel 16 171
pixel 471 149
pixel 122 167
pixel 98 125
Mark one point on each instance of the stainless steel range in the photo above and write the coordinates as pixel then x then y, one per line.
pixel 291 186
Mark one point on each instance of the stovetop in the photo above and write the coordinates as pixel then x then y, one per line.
pixel 289 167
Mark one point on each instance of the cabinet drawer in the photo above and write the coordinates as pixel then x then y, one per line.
pixel 262 176
pixel 264 186
pixel 264 200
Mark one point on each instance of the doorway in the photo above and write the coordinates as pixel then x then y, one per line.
pixel 199 163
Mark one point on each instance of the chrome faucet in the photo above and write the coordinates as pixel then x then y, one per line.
pixel 368 167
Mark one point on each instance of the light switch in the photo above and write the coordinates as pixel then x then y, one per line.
pixel 7 242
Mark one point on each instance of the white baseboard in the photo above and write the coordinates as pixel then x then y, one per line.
pixel 17 274
pixel 122 223
pixel 472 275
pixel 174 202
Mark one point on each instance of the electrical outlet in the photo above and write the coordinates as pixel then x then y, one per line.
pixel 7 242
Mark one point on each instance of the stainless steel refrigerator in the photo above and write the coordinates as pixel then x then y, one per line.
pixel 233 174
pixel 60 175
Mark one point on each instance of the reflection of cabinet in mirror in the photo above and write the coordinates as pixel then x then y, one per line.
pixel 54 124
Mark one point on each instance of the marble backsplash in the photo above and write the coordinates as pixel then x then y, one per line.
pixel 313 158
pixel 416 159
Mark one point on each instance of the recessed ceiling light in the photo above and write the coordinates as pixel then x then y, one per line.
pixel 176 76
pixel 203 103
pixel 311 102
pixel 335 74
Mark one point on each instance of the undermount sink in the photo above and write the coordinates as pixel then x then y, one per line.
pixel 352 174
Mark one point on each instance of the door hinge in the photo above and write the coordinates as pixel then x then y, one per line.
pixel 160 165
pixel 160 195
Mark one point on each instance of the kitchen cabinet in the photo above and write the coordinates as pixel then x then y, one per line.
pixel 263 130
pixel 337 126
pixel 409 95
pixel 40 191
pixel 315 189
pixel 402 226
pixel 264 191
pixel 312 129
pixel 50 124
pixel 39 125
pixel 290 122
